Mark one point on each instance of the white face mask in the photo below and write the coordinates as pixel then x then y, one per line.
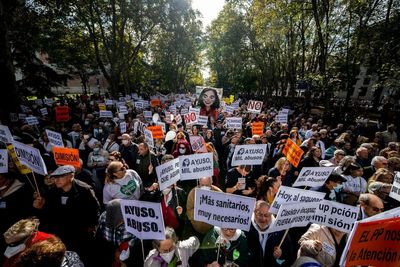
pixel 205 187
pixel 168 256
pixel 125 142
pixel 182 150
pixel 11 251
pixel 96 150
pixel 86 136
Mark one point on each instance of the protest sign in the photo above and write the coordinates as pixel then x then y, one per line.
pixel 223 210
pixel 139 127
pixel 168 173
pixel 148 115
pixel 21 116
pixel 122 127
pixel 31 120
pixel 157 131
pixel 3 161
pixel 139 105
pixel 281 118
pixel 190 118
pixel 54 138
pixel 234 123
pixel 23 169
pixel 143 219
pixel 196 166
pixel 202 120
pixel 257 128
pixel 292 152
pixel 66 156
pixel 313 176
pixel 48 101
pixel 123 109
pixel 44 111
pixel 375 243
pixel 30 157
pixel 288 195
pixel 255 106
pixel 178 119
pixel 198 143
pixel 102 106
pixel 106 114
pixel 155 103
pixel 185 111
pixel 395 190
pixel 249 154
pixel 148 137
pixel 39 102
pixel 62 113
pixel 5 134
pixel 13 117
pixel 162 125
pixel 229 109
pixel 109 102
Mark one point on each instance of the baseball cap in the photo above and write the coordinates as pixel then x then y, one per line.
pixel 63 170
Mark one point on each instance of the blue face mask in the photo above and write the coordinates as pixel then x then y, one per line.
pixel 338 187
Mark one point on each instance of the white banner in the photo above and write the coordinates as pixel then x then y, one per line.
pixel 54 138
pixel 106 114
pixel 168 173
pixel 44 111
pixel 148 137
pixel 313 176
pixel 234 123
pixel 122 127
pixel 395 190
pixel 143 219
pixel 254 106
pixel 223 210
pixel 5 135
pixel 196 166
pixel 281 118
pixel 249 154
pixel 32 120
pixel 30 157
pixel 288 195
pixel 3 161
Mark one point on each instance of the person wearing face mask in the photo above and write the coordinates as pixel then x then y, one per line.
pixel 85 146
pixel 97 162
pixel 265 245
pixel 129 150
pixel 331 187
pixel 111 145
pixel 173 206
pixel 198 228
pixel 182 148
pixel 171 252
pixel 20 236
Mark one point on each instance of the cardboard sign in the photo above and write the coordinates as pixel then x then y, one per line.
pixel 198 143
pixel 168 173
pixel 5 134
pixel 196 166
pixel 257 128
pixel 3 161
pixel 143 219
pixel 62 113
pixel 32 120
pixel 106 114
pixel 44 111
pixel 234 123
pixel 313 176
pixel 148 137
pixel 292 152
pixel 66 156
pixel 249 154
pixel 255 106
pixel 122 127
pixel 223 210
pixel 375 243
pixel 55 138
pixel 23 169
pixel 288 195
pixel 30 157
pixel 395 190
pixel 157 131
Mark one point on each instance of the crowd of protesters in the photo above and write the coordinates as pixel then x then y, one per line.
pixel 75 218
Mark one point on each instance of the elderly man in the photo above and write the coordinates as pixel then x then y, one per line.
pixel 70 211
pixel 376 163
pixel 265 250
pixel 362 157
pixel 128 150
pixel 370 205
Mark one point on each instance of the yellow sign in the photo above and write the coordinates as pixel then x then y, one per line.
pixel 21 168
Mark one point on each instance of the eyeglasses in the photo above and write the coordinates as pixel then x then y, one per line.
pixel 228 229
pixel 376 209
pixel 166 250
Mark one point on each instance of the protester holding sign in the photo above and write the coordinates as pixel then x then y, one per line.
pixel 355 184
pixel 282 172
pixel 146 164
pixel 171 252
pixel 223 245
pixel 239 182
pixel 209 103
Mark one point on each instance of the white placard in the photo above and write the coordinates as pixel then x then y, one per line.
pixel 54 138
pixel 122 127
pixel 30 157
pixel 48 101
pixel 139 127
pixel 184 111
pixel 249 154
pixel 106 114
pixel 44 111
pixel 5 134
pixel 281 118
pixel 109 102
pixel 32 120
pixel 143 219
pixel 254 106
pixel 229 109
pixel 3 161
pixel 395 190
pixel 234 123
pixel 139 105
pixel 223 210
pixel 178 119
pixel 123 109
pixel 288 195
pixel 168 173
pixel 313 176
pixel 198 144
pixel 202 120
pixel 148 137
pixel 196 166
pixel 148 115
